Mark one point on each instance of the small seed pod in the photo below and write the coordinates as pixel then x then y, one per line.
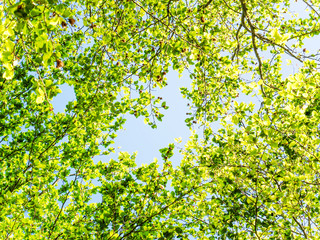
pixel 59 64
pixel 72 21
pixel 64 24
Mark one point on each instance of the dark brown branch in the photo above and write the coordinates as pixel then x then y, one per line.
pixel 202 7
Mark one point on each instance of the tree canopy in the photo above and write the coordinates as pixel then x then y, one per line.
pixel 256 177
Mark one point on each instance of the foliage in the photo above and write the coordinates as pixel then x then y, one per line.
pixel 257 177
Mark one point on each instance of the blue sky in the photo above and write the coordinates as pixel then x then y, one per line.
pixel 137 136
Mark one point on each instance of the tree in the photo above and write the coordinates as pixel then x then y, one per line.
pixel 257 177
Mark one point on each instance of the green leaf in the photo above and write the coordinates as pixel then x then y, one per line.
pixel 40 96
pixel 8 74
